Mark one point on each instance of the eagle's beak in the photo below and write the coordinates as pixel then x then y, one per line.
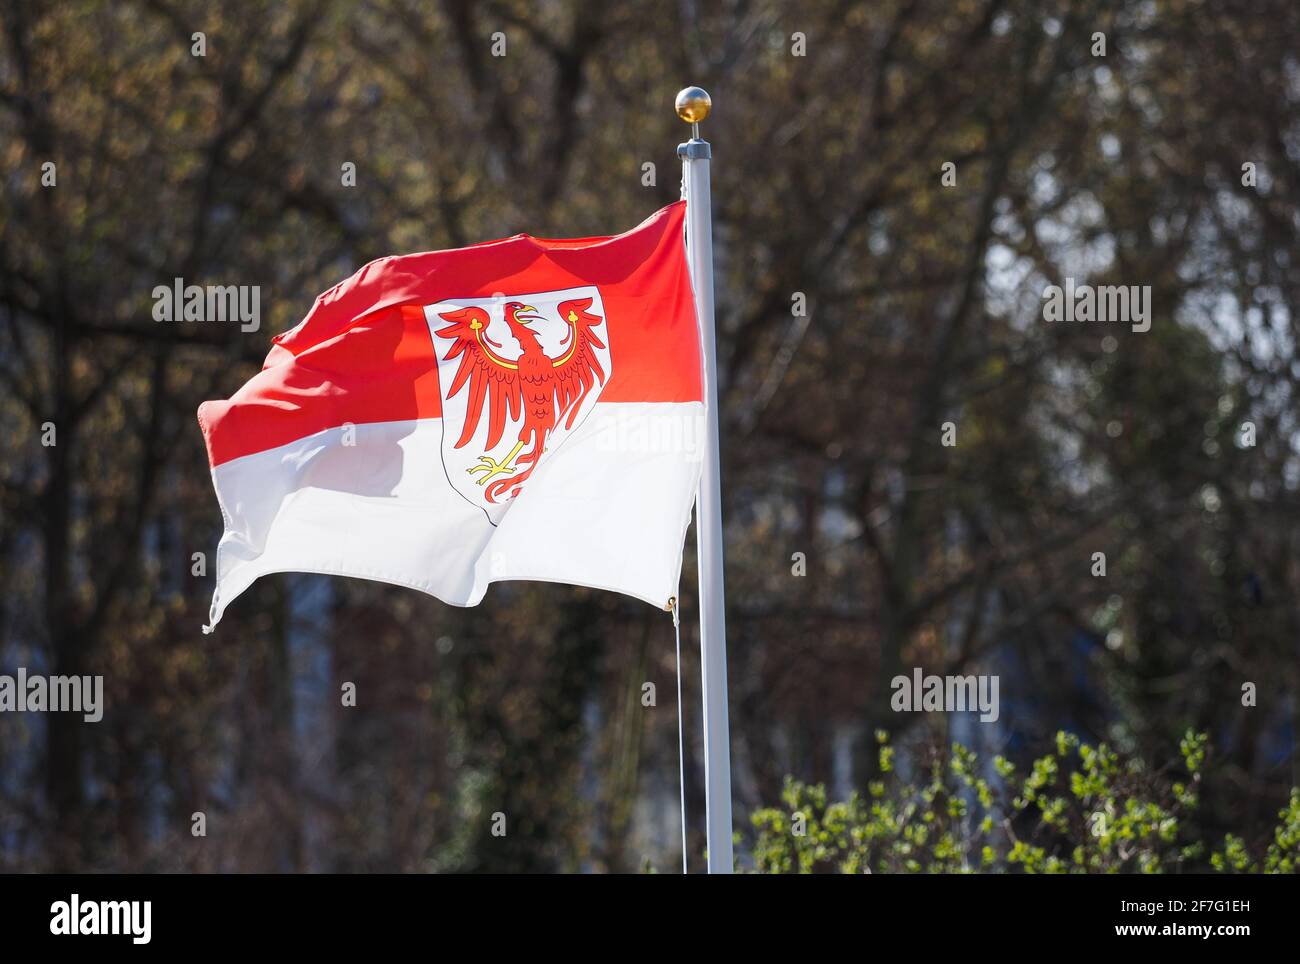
pixel 519 315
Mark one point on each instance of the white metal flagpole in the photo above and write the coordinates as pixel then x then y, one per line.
pixel 693 105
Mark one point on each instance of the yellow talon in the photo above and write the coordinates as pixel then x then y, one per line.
pixel 492 468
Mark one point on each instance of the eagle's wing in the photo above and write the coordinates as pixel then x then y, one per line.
pixel 486 372
pixel 578 367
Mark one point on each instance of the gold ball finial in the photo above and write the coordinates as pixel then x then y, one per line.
pixel 693 104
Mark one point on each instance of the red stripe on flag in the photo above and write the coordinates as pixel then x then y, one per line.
pixel 364 354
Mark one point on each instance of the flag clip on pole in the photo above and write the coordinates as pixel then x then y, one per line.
pixel 693 105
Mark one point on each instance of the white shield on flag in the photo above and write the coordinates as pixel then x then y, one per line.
pixel 517 373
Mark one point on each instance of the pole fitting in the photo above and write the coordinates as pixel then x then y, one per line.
pixel 693 104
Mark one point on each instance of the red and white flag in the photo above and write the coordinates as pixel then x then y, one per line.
pixel 519 409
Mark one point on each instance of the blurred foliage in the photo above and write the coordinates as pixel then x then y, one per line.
pixel 924 307
pixel 1108 814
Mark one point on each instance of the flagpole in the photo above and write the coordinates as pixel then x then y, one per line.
pixel 693 105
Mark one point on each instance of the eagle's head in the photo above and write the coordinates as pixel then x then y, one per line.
pixel 519 316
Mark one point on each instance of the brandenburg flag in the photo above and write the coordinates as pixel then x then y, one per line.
pixel 527 408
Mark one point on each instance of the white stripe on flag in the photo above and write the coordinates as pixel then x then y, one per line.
pixel 607 509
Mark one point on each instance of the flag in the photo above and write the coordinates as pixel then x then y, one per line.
pixel 525 409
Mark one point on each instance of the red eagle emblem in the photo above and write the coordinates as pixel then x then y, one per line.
pixel 534 392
